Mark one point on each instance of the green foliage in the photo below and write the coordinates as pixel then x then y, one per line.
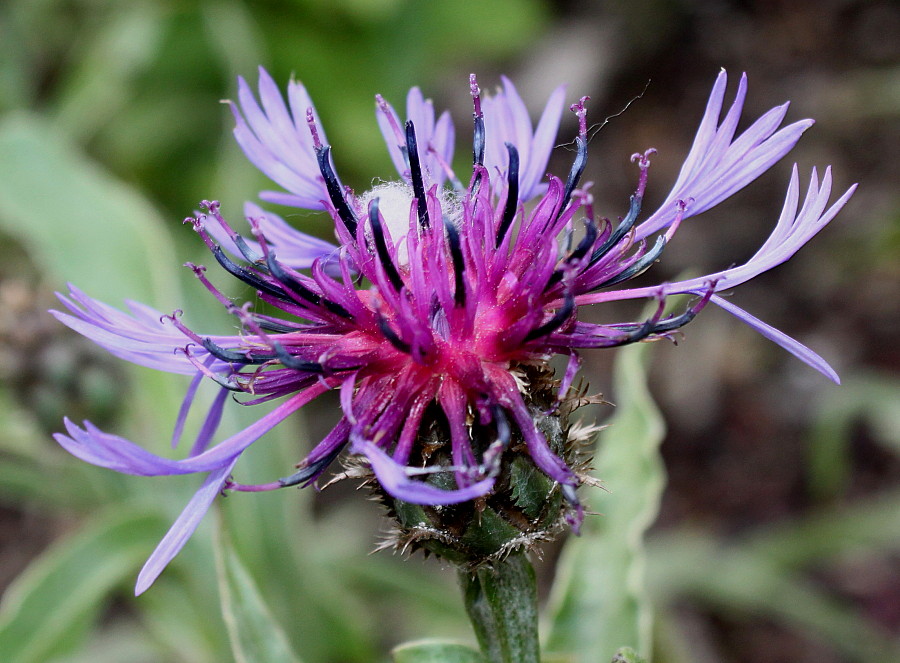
pixel 255 635
pixel 600 600
pixel 628 655
pixel 62 206
pixel 868 399
pixel 50 607
pixel 435 651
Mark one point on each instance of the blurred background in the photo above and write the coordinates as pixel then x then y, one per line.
pixel 779 532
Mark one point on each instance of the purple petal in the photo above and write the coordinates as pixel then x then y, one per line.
pixel 145 338
pixel 210 423
pixel 429 136
pixel 182 528
pixel 116 453
pixel 394 478
pixel 793 346
pixel 793 230
pixel 542 146
pixel 391 139
pixel 717 166
pixel 507 121
pixel 185 408
pixel 277 140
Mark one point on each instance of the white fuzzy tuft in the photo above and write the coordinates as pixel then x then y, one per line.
pixel 395 202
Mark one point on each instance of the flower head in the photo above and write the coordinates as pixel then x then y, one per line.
pixel 438 302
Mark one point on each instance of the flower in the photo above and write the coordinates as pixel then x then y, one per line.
pixel 437 301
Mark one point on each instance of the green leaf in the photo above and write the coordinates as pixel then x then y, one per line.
pixel 48 608
pixel 628 655
pixel 255 635
pixel 600 602
pixel 79 223
pixel 746 582
pixel 869 398
pixel 435 651
pixel 109 62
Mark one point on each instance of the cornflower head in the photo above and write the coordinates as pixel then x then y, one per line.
pixel 436 311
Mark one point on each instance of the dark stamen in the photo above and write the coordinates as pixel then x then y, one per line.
pixel 638 334
pixel 232 356
pixel 640 266
pixel 681 320
pixel 246 275
pixel 415 174
pixel 478 138
pixel 335 190
pixel 289 361
pixel 381 246
pixel 304 293
pixel 675 322
pixel 576 171
pixel 271 325
pixel 634 210
pixel 391 335
pixel 249 254
pixel 556 321
pixel 581 157
pixel 309 473
pixel 512 193
pixel 459 265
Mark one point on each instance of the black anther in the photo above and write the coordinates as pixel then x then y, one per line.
pixel 459 265
pixel 381 247
pixel 415 174
pixel 554 323
pixel 512 193
pixel 335 190
pixel 639 267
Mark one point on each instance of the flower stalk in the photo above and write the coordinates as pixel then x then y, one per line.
pixel 501 601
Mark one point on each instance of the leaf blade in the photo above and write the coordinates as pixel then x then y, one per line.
pixel 600 602
pixel 255 635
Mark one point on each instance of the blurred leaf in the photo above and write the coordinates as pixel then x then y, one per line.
pixel 288 556
pixel 868 398
pixel 48 608
pixel 490 29
pixel 255 635
pixel 15 88
pixel 20 431
pixel 870 524
pixel 761 573
pixel 80 224
pixel 234 35
pixel 628 655
pixel 748 582
pixel 600 601
pixel 122 641
pixel 435 651
pixel 55 481
pixel 109 62
pixel 415 589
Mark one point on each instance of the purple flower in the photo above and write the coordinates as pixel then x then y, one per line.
pixel 434 298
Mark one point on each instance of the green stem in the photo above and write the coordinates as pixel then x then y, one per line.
pixel 501 599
